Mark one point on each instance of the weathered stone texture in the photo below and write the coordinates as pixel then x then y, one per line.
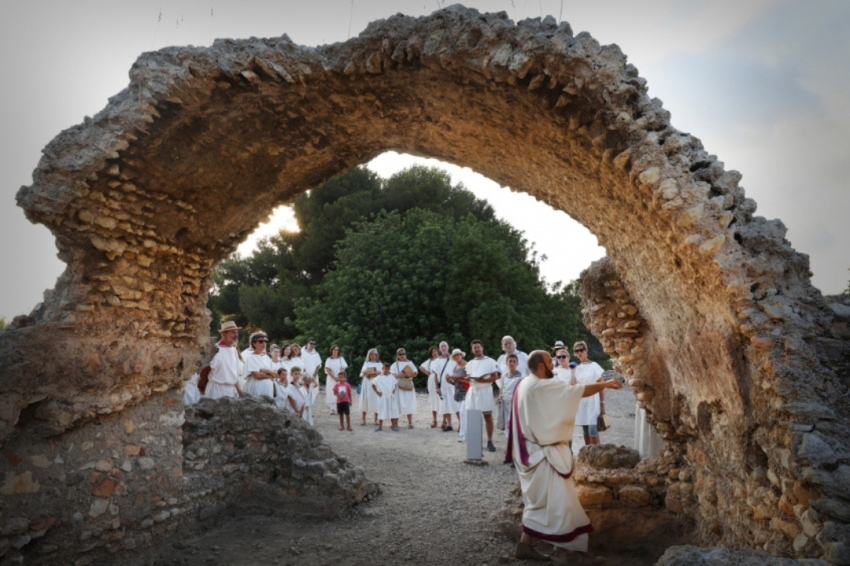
pixel 739 361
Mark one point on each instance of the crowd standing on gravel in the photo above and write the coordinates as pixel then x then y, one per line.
pixel 290 376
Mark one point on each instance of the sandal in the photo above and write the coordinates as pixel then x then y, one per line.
pixel 341 428
pixel 350 429
pixel 410 425
pixel 434 424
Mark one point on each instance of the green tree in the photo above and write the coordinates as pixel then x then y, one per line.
pixel 412 280
pixel 3 323
pixel 261 290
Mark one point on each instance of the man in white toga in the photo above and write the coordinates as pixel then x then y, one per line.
pixel 482 372
pixel 542 419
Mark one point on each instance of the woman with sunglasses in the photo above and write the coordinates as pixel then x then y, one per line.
pixel 590 407
pixel 258 371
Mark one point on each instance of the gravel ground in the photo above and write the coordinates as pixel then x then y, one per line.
pixel 434 509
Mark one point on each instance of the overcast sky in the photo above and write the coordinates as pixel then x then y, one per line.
pixel 764 84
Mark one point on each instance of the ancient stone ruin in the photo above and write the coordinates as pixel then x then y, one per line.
pixel 739 361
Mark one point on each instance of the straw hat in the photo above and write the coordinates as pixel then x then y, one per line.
pixel 558 345
pixel 229 325
pixel 457 351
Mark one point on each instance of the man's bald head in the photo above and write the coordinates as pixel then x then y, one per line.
pixel 540 364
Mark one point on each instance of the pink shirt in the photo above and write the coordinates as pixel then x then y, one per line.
pixel 345 390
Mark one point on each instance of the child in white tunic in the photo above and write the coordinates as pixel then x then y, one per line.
pixel 296 398
pixel 385 387
pixel 310 391
pixel 281 391
pixel 368 399
pixel 406 399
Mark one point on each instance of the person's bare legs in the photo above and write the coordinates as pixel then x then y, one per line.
pixel 348 421
pixel 364 419
pixel 433 419
pixel 341 421
pixel 447 420
pixel 410 420
pixel 488 424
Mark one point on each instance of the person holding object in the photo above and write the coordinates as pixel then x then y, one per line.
pixel 451 389
pixel 226 365
pixel 404 370
pixel 368 372
pixel 542 418
pixel 591 407
pixel 333 365
pixel 509 380
pixel 342 392
pixel 385 387
pixel 433 396
pixel 258 372
pixel 482 372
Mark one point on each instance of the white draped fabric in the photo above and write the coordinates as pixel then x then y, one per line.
pixel 479 397
pixel 335 365
pixel 256 387
pixel 294 392
pixel 387 404
pixel 368 399
pixel 406 399
pixel 281 396
pixel 588 411
pixel 312 361
pixel 522 363
pixel 225 369
pixel 542 419
pixel 191 393
pixel 448 405
pixel 433 398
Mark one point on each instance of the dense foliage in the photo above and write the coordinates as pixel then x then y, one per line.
pixel 406 261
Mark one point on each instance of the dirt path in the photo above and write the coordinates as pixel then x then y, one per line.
pixel 434 509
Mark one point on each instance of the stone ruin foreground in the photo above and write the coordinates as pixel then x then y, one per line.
pixel 740 362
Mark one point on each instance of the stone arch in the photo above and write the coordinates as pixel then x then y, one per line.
pixel 149 195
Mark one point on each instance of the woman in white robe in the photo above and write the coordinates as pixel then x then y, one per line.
pixel 258 372
pixel 403 368
pixel 295 358
pixel 333 365
pixel 591 407
pixel 368 399
pixel 433 396
pixel 385 387
pixel 448 386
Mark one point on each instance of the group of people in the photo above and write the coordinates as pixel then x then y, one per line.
pixel 455 385
pixel 541 398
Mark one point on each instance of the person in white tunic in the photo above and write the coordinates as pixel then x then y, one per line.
pixel 274 352
pixel 385 387
pixel 591 407
pixel 310 391
pixel 440 370
pixel 368 372
pixel 433 396
pixel 296 397
pixel 542 418
pixel 509 347
pixel 191 393
pixel 281 391
pixel 286 356
pixel 295 358
pixel 404 371
pixel 257 372
pixel 312 361
pixel 226 365
pixel 333 366
pixel 509 380
pixel 446 370
pixel 482 371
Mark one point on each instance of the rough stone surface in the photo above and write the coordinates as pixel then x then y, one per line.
pixel 713 317
pixel 693 556
pixel 602 456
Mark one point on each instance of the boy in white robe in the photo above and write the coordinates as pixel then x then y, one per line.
pixel 385 387
pixel 509 380
pixel 542 419
pixel 296 397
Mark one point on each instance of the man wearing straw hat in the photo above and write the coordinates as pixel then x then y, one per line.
pixel 226 366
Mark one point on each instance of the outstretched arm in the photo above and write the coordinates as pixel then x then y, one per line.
pixel 594 388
